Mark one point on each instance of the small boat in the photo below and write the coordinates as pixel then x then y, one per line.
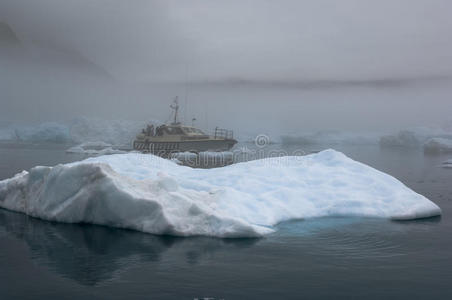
pixel 176 137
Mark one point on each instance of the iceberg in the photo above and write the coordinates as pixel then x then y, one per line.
pixel 147 193
pixel 438 145
pixel 115 132
pixel 48 132
pixel 414 138
pixel 404 138
pixel 78 131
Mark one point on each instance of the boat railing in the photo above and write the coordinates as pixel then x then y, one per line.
pixel 221 133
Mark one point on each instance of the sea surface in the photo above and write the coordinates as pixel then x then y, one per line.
pixel 326 258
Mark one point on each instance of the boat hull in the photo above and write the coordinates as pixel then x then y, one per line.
pixel 184 146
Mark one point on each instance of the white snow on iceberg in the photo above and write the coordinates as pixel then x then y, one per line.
pixel 150 194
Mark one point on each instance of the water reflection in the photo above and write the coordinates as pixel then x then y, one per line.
pixel 92 255
pixel 429 220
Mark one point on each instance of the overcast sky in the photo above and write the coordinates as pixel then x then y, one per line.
pixel 144 41
pixel 250 39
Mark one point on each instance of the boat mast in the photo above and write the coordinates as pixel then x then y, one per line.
pixel 175 106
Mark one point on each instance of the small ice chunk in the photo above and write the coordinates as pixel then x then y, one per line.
pixel 94 148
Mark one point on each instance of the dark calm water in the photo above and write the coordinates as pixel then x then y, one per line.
pixel 334 258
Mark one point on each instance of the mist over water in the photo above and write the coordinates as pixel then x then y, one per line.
pixel 254 66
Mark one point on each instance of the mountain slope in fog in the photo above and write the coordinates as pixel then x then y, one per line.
pixel 35 74
pixel 7 35
pixel 10 45
pixel 16 54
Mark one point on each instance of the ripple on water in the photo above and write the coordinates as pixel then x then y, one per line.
pixel 348 239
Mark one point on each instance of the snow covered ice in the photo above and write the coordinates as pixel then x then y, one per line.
pixel 150 194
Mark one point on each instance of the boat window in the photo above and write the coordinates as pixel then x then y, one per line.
pixel 174 130
pixel 193 130
pixel 198 131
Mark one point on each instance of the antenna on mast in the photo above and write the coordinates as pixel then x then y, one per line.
pixel 175 106
pixel 186 96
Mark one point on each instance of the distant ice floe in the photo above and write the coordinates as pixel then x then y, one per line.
pixel 94 148
pixel 415 138
pixel 154 195
pixel 120 134
pixel 404 138
pixel 447 163
pixel 438 145
pixel 49 132
pixel 79 130
pixel 115 132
